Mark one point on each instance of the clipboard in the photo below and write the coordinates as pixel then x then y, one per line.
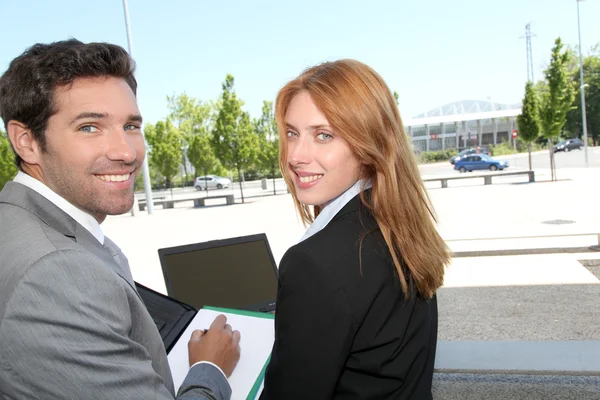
pixel 176 321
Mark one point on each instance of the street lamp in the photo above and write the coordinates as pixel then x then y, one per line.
pixel 582 90
pixel 145 169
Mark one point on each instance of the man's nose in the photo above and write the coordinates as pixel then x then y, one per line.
pixel 120 146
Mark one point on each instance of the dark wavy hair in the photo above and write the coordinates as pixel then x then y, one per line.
pixel 27 88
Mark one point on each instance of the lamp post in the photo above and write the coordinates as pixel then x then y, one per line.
pixel 145 169
pixel 582 90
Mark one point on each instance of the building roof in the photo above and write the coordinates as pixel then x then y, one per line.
pixel 466 110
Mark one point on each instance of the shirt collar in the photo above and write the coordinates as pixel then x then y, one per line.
pixel 334 206
pixel 84 219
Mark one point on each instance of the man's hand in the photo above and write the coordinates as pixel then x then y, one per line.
pixel 219 345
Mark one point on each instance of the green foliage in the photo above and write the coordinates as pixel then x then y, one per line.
pixel 436 156
pixel 195 121
pixel 266 129
pixel 558 100
pixel 396 98
pixel 165 142
pixel 191 115
pixel 529 121
pixel 8 169
pixel 591 77
pixel 507 147
pixel 234 139
pixel 201 154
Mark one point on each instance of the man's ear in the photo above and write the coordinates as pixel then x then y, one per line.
pixel 23 141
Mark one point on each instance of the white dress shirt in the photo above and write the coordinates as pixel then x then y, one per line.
pixel 334 206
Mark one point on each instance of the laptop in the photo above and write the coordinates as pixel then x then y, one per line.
pixel 238 273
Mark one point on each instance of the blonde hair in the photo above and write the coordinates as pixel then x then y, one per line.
pixel 360 107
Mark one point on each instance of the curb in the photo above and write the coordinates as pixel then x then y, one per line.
pixel 521 252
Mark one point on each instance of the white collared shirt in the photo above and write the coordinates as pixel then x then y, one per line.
pixel 334 206
pixel 84 219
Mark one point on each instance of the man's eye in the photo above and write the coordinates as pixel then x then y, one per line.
pixel 131 127
pixel 88 129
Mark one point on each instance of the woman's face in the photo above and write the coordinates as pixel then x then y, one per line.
pixel 320 161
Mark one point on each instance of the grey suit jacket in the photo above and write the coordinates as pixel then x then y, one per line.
pixel 71 325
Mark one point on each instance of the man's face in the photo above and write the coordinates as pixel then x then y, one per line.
pixel 94 146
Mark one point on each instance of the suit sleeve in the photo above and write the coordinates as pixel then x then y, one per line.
pixel 313 332
pixel 66 336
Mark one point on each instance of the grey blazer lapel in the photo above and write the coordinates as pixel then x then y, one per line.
pixel 84 238
pixel 30 200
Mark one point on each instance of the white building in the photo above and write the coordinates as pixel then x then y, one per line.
pixel 463 124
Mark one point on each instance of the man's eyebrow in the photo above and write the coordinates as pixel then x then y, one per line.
pixel 89 115
pixel 135 118
pixel 96 115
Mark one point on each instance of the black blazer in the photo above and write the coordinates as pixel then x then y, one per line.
pixel 344 330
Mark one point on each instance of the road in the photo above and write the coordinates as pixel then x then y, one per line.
pixel 540 160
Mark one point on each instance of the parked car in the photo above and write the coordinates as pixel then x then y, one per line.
pixel 480 161
pixel 473 150
pixel 212 181
pixel 568 145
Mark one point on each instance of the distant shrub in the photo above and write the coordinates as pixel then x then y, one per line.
pixel 436 156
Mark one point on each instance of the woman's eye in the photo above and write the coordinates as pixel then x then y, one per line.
pixel 88 129
pixel 324 136
pixel 291 133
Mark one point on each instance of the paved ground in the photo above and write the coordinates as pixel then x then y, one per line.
pixel 518 297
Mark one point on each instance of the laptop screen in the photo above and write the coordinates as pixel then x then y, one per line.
pixel 234 273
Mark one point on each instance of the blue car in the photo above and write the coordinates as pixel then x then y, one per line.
pixel 479 161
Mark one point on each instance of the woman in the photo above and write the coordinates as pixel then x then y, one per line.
pixel 356 313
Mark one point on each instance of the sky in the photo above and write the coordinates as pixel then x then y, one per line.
pixel 431 52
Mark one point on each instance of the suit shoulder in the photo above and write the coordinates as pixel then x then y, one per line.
pixel 24 229
pixel 351 247
pixel 347 235
pixel 72 270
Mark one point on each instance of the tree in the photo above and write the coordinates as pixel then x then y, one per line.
pixel 8 169
pixel 266 129
pixel 234 139
pixel 558 100
pixel 201 154
pixel 396 98
pixel 591 77
pixel 195 120
pixel 528 122
pixel 165 143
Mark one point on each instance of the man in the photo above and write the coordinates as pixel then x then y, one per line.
pixel 72 325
